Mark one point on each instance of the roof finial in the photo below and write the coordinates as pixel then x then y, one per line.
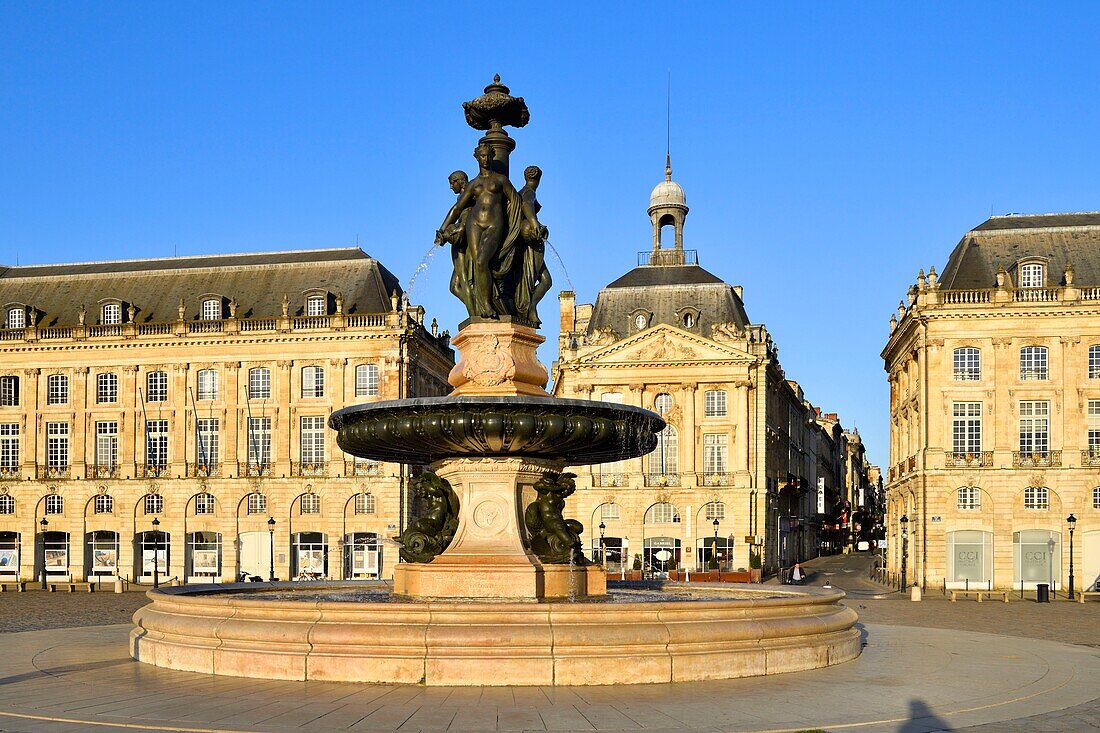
pixel 668 167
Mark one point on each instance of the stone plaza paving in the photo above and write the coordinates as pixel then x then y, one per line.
pixel 912 677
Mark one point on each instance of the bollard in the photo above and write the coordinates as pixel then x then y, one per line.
pixel 118 584
pixel 914 594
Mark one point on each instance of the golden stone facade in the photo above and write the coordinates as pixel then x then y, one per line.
pixel 195 392
pixel 994 372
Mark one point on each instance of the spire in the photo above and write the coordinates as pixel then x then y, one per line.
pixel 668 166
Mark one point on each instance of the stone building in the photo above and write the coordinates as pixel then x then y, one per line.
pixel 178 407
pixel 733 472
pixel 994 371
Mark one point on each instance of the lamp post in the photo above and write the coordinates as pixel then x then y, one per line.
pixel 714 548
pixel 603 547
pixel 904 547
pixel 1071 522
pixel 156 552
pixel 45 523
pixel 271 533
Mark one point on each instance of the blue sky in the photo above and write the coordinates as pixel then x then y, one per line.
pixel 828 151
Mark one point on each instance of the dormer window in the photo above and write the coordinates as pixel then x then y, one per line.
pixel 316 305
pixel 640 320
pixel 17 317
pixel 112 314
pixel 1032 275
pixel 211 309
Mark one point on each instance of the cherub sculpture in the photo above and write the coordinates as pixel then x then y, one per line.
pixel 552 537
pixel 430 535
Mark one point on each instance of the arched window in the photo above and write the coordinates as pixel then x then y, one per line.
pixel 103 504
pixel 1032 275
pixel 57 389
pixel 257 504
pixel 968 497
pixel 154 503
pixel 364 503
pixel 715 510
pixel 1036 497
pixel 208 385
pixel 313 381
pixel 106 388
pixel 1033 362
pixel 112 314
pixel 316 305
pixel 1094 361
pixel 156 387
pixel 55 504
pixel 7 504
pixel 17 317
pixel 211 309
pixel 967 364
pixel 259 383
pixel 310 504
pixel 662 513
pixel 204 503
pixel 662 403
pixel 366 380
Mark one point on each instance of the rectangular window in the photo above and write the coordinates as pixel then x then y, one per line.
pixel 211 309
pixel 9 391
pixel 106 388
pixel 1031 276
pixel 316 306
pixel 1033 362
pixel 57 444
pixel 609 512
pixel 106 444
pixel 259 441
pixel 257 504
pixel 969 497
pixel 259 383
pixel 57 389
pixel 966 428
pixel 313 381
pixel 207 433
pixel 313 440
pixel 311 504
pixel 714 404
pixel 366 380
pixel 208 385
pixel 1094 362
pixel 1094 427
pixel 204 504
pixel 967 364
pixel 17 318
pixel 112 314
pixel 9 445
pixel 1034 427
pixel 156 387
pixel 156 443
pixel 715 450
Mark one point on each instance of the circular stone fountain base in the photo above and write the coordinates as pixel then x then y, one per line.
pixel 253 630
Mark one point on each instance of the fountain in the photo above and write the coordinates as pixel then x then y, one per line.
pixel 493 588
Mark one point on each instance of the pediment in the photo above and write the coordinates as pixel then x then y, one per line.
pixel 665 344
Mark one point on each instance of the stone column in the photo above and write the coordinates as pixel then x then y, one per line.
pixel 178 438
pixel 232 421
pixel 29 437
pixel 131 425
pixel 78 428
pixel 690 429
pixel 282 430
pixel 742 425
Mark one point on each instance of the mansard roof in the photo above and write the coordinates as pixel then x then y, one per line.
pixel 1057 240
pixel 256 281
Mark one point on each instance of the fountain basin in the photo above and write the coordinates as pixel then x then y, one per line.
pixel 234 630
pixel 428 429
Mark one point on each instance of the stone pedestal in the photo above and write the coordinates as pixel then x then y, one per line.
pixel 488 559
pixel 497 358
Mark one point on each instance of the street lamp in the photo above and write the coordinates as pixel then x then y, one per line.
pixel 1071 522
pixel 271 532
pixel 904 546
pixel 45 523
pixel 156 552
pixel 603 547
pixel 714 548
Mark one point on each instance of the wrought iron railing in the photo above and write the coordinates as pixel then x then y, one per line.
pixel 714 479
pixel 980 459
pixel 1036 459
pixel 662 479
pixel 206 469
pixel 298 468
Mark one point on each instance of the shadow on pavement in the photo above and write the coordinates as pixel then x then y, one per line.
pixel 923 720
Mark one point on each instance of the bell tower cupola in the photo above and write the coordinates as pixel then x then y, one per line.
pixel 667 210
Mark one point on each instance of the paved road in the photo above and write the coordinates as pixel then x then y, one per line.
pixel 37 610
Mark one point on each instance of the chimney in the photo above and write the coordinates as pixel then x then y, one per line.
pixel 567 300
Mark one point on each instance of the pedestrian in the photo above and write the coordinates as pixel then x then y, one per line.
pixel 797 575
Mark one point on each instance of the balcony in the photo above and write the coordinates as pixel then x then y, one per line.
pixel 53 473
pixel 97 472
pixel 980 459
pixel 662 479
pixel 609 479
pixel 308 469
pixel 204 470
pixel 1036 459
pixel 714 479
pixel 152 470
pixel 1090 456
pixel 9 473
pixel 366 468
pixel 254 469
